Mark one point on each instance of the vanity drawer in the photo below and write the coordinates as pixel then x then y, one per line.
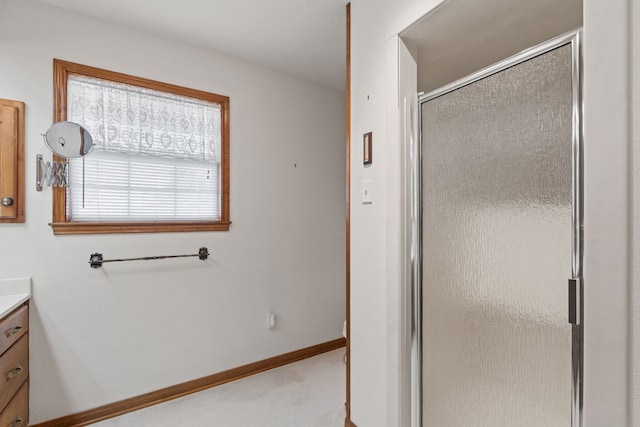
pixel 16 414
pixel 13 327
pixel 14 369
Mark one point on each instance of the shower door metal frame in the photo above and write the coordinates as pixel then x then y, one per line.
pixel 572 38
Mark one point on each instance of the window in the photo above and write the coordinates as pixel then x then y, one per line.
pixel 160 160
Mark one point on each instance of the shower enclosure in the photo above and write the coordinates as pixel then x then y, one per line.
pixel 497 245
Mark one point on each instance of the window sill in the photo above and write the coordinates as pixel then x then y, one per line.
pixel 61 228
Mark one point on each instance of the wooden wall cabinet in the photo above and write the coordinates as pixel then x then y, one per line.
pixel 11 161
pixel 14 368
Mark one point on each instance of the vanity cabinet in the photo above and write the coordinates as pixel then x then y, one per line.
pixel 14 368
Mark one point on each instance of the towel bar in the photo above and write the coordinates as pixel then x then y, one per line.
pixel 96 260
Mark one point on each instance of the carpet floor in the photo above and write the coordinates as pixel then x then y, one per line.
pixel 308 393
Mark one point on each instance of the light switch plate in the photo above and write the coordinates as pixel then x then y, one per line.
pixel 367 196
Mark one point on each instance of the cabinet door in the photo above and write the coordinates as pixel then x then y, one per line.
pixel 11 161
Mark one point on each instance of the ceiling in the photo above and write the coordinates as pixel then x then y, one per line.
pixel 464 36
pixel 305 38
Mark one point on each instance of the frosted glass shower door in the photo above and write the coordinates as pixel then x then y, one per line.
pixel 497 248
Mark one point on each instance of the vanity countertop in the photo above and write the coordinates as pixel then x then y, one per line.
pixel 13 292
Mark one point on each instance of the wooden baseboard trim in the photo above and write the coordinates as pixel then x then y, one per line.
pixel 153 398
pixel 349 423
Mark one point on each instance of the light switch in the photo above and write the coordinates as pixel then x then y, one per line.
pixel 367 196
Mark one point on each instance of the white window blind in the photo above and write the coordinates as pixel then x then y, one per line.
pixel 156 155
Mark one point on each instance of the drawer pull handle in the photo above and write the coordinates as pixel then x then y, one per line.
pixel 13 331
pixel 16 422
pixel 14 373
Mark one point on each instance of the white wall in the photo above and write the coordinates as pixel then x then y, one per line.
pixel 375 289
pixel 607 205
pixel 101 335
pixel 375 229
pixel 635 293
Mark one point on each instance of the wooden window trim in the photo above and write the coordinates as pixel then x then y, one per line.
pixel 61 224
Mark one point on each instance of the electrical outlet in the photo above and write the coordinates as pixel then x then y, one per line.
pixel 271 323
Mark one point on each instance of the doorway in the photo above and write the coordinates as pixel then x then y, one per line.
pixel 499 205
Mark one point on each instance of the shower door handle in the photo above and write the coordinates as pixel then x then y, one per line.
pixel 575 303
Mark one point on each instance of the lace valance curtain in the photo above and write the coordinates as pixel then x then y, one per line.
pixel 134 120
